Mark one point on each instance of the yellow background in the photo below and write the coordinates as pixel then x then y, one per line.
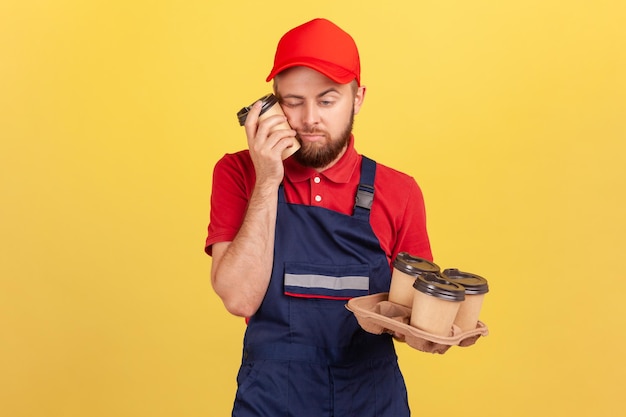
pixel 510 114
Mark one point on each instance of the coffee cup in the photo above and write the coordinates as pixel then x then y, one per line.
pixel 436 302
pixel 406 268
pixel 270 107
pixel 475 289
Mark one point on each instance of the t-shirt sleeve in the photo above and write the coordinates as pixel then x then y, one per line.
pixel 412 234
pixel 233 177
pixel 399 215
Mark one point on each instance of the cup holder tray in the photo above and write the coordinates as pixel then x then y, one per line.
pixel 377 315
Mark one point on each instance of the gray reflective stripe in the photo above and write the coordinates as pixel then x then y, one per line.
pixel 331 283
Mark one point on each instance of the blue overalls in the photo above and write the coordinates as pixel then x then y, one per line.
pixel 304 352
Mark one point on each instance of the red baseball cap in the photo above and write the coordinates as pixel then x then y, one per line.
pixel 322 46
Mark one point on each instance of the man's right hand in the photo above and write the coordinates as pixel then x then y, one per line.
pixel 266 145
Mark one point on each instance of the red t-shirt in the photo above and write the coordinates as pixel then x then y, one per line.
pixel 397 216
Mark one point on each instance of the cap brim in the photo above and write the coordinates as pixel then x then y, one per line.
pixel 337 74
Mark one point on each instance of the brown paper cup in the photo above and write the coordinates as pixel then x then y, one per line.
pixel 406 269
pixel 469 312
pixel 436 303
pixel 475 289
pixel 270 107
pixel 401 290
pixel 433 315
pixel 274 110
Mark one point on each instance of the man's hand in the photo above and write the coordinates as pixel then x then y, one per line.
pixel 266 145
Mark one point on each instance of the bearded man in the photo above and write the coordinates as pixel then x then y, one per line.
pixel 292 240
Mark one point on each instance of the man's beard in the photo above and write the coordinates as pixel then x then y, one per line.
pixel 314 156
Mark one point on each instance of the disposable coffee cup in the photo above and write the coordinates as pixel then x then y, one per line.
pixel 475 289
pixel 270 107
pixel 406 269
pixel 436 302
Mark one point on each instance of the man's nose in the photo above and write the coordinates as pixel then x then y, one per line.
pixel 311 114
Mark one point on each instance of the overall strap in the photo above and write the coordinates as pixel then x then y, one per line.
pixel 365 190
pixel 281 193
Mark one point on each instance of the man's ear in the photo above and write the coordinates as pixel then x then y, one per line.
pixel 359 97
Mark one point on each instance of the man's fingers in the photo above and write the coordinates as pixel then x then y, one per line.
pixel 252 119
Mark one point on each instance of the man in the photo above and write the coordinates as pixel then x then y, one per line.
pixel 292 240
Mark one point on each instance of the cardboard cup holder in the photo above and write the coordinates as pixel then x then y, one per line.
pixel 377 315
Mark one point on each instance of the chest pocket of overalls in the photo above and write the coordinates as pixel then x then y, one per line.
pixel 317 296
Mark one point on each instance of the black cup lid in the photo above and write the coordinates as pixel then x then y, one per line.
pixel 436 286
pixel 268 101
pixel 473 284
pixel 413 265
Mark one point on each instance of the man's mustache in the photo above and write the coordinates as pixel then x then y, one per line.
pixel 312 132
